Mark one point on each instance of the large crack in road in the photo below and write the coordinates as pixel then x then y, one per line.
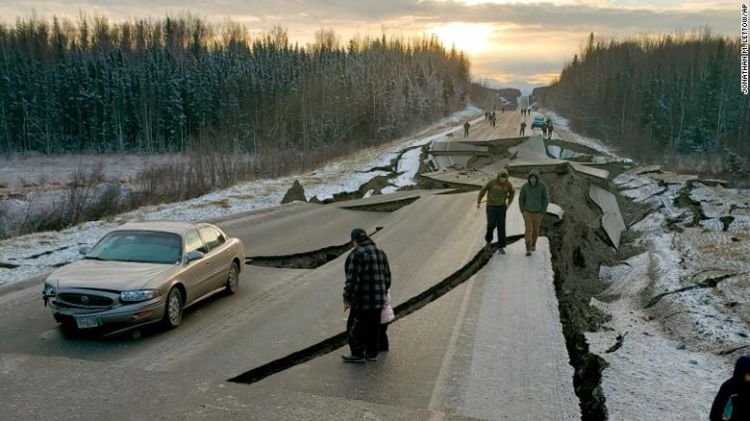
pixel 402 310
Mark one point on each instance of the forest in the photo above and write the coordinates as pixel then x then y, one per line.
pixel 673 99
pixel 181 84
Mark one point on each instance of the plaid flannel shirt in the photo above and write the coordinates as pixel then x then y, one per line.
pixel 368 277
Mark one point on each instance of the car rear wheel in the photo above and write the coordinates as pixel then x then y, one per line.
pixel 233 279
pixel 173 310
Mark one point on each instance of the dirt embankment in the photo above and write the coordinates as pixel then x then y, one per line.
pixel 579 246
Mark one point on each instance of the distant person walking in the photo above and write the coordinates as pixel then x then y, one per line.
pixel 533 201
pixel 549 129
pixel 522 132
pixel 467 126
pixel 500 194
pixel 523 111
pixel 732 403
pixel 368 279
pixel 493 119
pixel 529 111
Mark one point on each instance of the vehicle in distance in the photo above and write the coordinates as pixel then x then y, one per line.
pixel 538 122
pixel 142 273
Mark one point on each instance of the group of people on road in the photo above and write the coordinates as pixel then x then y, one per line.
pixel 491 116
pixel 367 287
pixel 533 201
pixel 525 111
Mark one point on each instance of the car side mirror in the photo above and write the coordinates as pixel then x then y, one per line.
pixel 84 250
pixel 194 255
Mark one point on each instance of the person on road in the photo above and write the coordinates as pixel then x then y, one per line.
pixel 549 129
pixel 732 403
pixel 493 119
pixel 523 111
pixel 544 131
pixel 500 194
pixel 533 201
pixel 522 132
pixel 467 126
pixel 368 279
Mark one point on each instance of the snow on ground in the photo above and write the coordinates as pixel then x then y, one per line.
pixel 35 253
pixel 670 364
pixel 562 128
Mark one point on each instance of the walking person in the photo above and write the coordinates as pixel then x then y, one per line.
pixel 500 194
pixel 732 403
pixel 533 201
pixel 467 126
pixel 368 279
pixel 522 132
pixel 549 129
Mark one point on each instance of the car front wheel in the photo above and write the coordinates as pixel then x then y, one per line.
pixel 173 310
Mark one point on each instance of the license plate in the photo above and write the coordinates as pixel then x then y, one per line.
pixel 87 322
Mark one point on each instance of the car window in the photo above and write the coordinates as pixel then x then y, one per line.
pixel 212 237
pixel 138 246
pixel 193 242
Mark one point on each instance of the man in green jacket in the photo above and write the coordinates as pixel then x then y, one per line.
pixel 500 194
pixel 533 201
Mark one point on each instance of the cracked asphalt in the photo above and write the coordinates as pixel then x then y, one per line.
pixel 460 356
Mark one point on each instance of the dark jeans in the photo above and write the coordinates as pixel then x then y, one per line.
pixel 383 345
pixel 496 219
pixel 363 332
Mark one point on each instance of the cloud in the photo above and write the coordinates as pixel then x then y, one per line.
pixel 529 41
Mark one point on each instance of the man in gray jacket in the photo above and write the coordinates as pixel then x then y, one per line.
pixel 533 201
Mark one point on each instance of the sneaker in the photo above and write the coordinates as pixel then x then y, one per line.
pixel 501 250
pixel 372 359
pixel 528 252
pixel 352 359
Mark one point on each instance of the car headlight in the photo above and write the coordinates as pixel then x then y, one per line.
pixel 48 291
pixel 139 295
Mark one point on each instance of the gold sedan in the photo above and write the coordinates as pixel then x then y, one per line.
pixel 142 273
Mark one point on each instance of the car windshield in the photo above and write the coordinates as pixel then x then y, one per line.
pixel 138 246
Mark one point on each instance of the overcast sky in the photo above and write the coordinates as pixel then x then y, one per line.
pixel 517 43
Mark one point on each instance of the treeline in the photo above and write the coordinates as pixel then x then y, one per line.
pixel 179 83
pixel 658 97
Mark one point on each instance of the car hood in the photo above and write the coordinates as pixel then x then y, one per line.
pixel 117 276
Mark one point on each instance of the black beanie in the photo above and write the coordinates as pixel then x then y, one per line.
pixel 359 234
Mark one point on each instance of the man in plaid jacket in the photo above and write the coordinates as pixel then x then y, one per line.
pixel 368 279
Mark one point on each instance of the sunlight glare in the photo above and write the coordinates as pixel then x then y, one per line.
pixel 471 38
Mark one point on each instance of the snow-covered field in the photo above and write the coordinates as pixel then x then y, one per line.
pixel 680 333
pixel 676 349
pixel 38 252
